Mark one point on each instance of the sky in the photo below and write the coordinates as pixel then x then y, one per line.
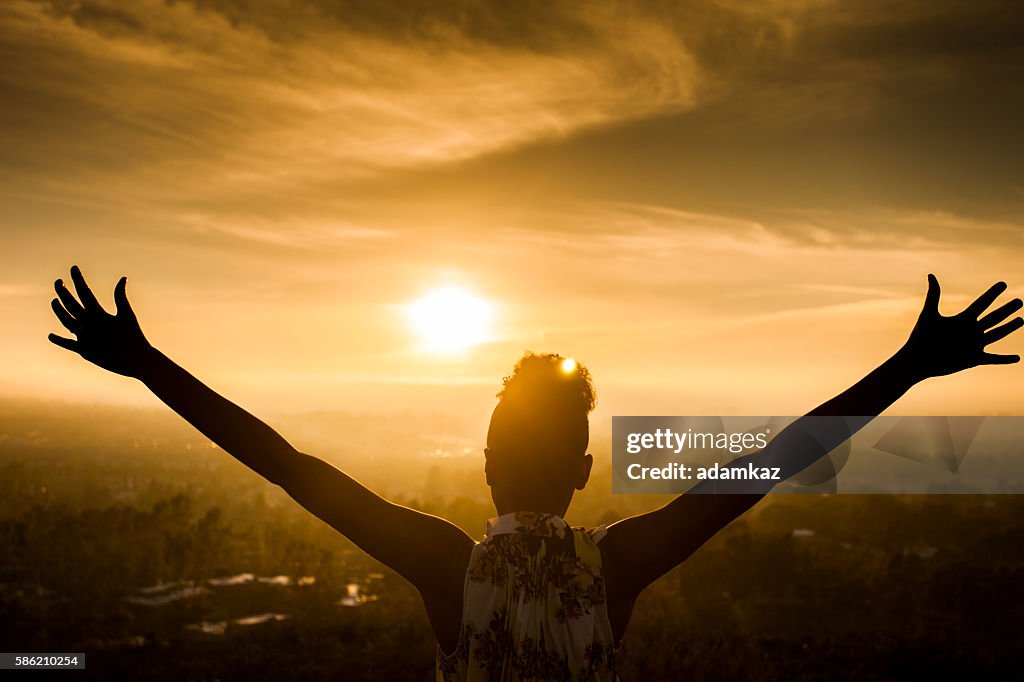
pixel 720 207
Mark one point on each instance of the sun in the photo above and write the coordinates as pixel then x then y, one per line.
pixel 450 319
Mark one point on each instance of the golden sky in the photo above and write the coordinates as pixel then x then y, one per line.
pixel 722 208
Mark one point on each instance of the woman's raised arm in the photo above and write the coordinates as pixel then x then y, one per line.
pixel 428 551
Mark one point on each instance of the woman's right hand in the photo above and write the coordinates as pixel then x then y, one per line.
pixel 114 342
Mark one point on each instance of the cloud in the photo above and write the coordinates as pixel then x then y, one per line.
pixel 296 233
pixel 222 104
pixel 649 229
pixel 306 124
pixel 168 97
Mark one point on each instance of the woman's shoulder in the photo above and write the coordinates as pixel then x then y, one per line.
pixel 593 534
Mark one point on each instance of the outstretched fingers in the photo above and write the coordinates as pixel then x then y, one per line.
pixel 70 323
pixel 985 300
pixel 89 301
pixel 73 307
pixel 69 344
pixel 1002 331
pixel 1001 313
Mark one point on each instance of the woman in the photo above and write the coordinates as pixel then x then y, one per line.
pixel 536 599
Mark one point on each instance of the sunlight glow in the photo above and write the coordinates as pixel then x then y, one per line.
pixel 451 319
pixel 568 365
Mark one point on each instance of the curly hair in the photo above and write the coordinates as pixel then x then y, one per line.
pixel 552 379
pixel 540 426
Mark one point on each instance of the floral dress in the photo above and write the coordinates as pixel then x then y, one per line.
pixel 533 605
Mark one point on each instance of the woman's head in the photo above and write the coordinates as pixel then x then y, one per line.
pixel 538 437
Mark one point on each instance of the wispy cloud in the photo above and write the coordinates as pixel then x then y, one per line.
pixel 163 95
pixel 294 232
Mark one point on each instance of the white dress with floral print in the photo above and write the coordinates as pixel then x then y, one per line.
pixel 534 605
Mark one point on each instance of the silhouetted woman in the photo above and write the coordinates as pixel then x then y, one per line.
pixel 536 599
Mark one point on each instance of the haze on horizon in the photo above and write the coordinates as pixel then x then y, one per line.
pixel 723 208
